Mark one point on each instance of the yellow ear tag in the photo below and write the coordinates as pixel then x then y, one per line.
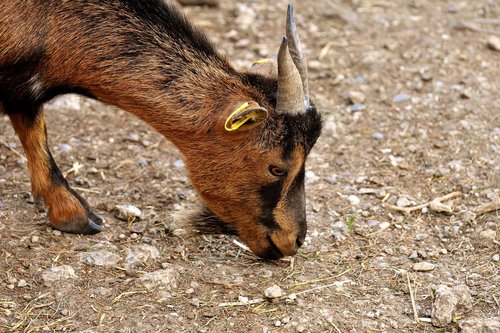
pixel 261 61
pixel 234 126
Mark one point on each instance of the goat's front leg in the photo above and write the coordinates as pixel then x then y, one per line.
pixel 67 210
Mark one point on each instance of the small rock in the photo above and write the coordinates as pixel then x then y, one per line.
pixel 403 202
pixel 493 43
pixel 139 227
pixel 401 98
pixel 377 136
pixel 165 279
pixel 127 212
pixel 179 164
pixel 467 216
pixel 496 257
pixel 448 302
pixel 488 235
pixel 22 283
pixel 356 97
pixel 354 200
pixel 357 107
pixel 140 254
pixel 58 273
pixel 480 325
pixel 424 266
pixel 273 292
pixel 56 232
pixel 35 239
pixel 384 225
pixel 100 257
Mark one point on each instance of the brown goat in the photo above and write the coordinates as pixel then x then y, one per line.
pixel 245 136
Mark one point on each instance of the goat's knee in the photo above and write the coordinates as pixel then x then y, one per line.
pixel 67 211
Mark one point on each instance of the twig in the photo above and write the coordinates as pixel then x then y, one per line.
pixel 81 189
pixel 321 280
pixel 408 210
pixel 412 297
pixel 241 245
pixel 333 325
pixel 488 207
pixel 249 302
pixel 13 150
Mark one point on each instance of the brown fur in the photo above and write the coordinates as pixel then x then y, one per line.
pixel 143 57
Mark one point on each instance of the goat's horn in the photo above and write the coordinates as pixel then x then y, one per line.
pixel 290 92
pixel 296 51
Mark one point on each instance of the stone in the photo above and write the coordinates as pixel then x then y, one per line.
pixel 160 280
pixel 354 200
pixel 127 212
pixel 488 235
pixel 401 98
pixel 356 97
pixel 377 136
pixel 58 273
pixel 493 43
pixel 100 257
pixel 423 266
pixel 449 303
pixel 140 254
pixel 480 325
pixel 403 202
pixel 273 292
pixel 496 257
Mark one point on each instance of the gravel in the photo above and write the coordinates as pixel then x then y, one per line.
pixel 423 266
pixel 450 303
pixel 57 274
pixel 273 292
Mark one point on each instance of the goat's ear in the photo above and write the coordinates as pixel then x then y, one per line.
pixel 267 67
pixel 245 116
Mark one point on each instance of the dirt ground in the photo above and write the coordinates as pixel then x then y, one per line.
pixel 409 92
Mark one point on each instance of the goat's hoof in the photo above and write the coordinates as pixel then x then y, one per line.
pixel 96 218
pixel 80 225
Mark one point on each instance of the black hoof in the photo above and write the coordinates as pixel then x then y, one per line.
pixel 96 218
pixel 83 226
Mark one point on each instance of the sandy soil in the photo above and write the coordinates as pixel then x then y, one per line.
pixel 409 91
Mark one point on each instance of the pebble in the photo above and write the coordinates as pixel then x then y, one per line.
pixel 356 97
pixel 164 279
pixel 354 200
pixel 384 225
pixel 139 227
pixel 357 107
pixel 35 239
pixel 126 212
pixel 22 283
pixel 100 257
pixel 273 292
pixel 140 254
pixel 488 235
pixel 496 257
pixel 403 202
pixel 493 43
pixel 401 98
pixel 56 232
pixel 448 302
pixel 424 266
pixel 377 136
pixel 58 273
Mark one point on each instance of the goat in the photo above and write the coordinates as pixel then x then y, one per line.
pixel 244 135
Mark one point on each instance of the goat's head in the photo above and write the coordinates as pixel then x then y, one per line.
pixel 251 178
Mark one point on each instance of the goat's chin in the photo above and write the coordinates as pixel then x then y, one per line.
pixel 205 221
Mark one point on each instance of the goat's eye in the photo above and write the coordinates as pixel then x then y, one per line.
pixel 278 172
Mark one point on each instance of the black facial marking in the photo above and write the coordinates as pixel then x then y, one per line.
pixel 269 196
